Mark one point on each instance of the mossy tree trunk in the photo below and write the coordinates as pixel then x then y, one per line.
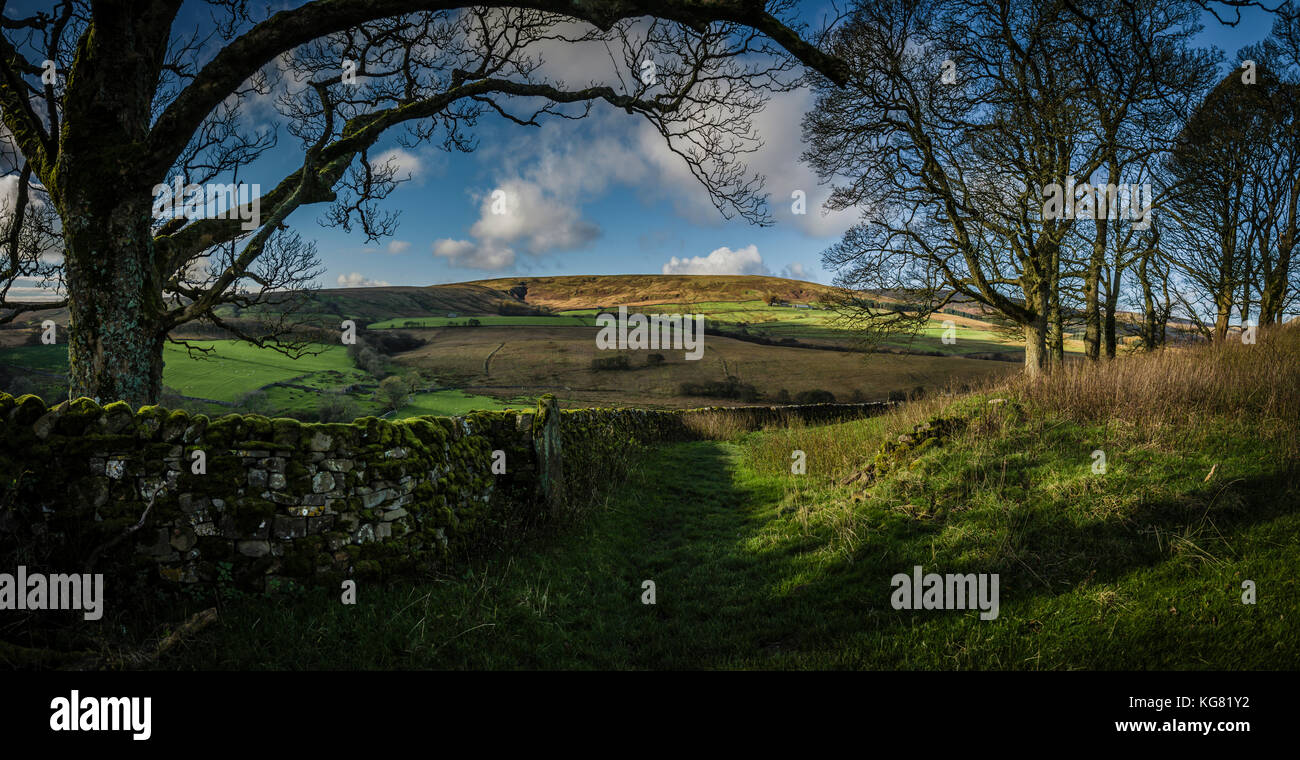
pixel 105 202
pixel 115 338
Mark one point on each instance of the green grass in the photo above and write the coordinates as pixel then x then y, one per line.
pixel 819 324
pixel 735 312
pixel 485 321
pixel 758 317
pixel 335 378
pixel 452 403
pixel 235 368
pixel 758 568
pixel 44 358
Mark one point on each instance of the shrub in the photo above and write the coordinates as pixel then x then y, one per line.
pixel 602 363
pixel 511 309
pixel 367 360
pixel 389 342
pixel 730 388
pixel 256 402
pixel 816 396
pixel 393 392
pixel 337 407
pixel 654 359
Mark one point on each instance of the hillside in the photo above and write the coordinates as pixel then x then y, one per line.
pixel 500 342
pixel 374 304
pixel 588 292
pixel 364 304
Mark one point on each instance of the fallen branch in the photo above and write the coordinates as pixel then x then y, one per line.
pixel 94 555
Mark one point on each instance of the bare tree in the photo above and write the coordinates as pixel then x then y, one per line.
pixel 1274 203
pixel 1142 79
pixel 1217 183
pixel 957 116
pixel 105 103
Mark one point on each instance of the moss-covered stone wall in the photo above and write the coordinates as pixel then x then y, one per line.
pixel 161 494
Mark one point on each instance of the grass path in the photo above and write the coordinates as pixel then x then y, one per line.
pixel 742 582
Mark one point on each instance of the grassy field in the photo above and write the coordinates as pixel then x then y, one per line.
pixel 505 361
pixel 487 319
pixel 237 368
pixel 590 291
pixel 508 357
pixel 822 326
pixel 233 369
pixel 455 402
pixel 442 403
pixel 1137 567
pixel 44 358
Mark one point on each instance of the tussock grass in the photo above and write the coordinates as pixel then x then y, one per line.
pixel 714 425
pixel 1258 383
pixel 1145 400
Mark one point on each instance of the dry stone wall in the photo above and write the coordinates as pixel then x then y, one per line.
pixel 153 494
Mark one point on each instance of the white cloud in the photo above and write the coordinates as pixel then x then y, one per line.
pixel 620 150
pixel 398 246
pixel 356 280
pixel 405 164
pixel 534 208
pixel 780 127
pixel 794 271
pixel 720 261
pixel 548 175
pixel 469 254
pixel 534 213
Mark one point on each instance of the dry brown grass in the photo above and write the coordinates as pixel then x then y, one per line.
pixel 558 360
pixel 716 426
pixel 1177 386
pixel 589 291
pixel 1149 398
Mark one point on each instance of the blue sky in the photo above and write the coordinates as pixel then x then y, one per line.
pixel 602 195
pixel 635 219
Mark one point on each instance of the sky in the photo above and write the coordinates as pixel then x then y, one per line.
pixel 601 195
